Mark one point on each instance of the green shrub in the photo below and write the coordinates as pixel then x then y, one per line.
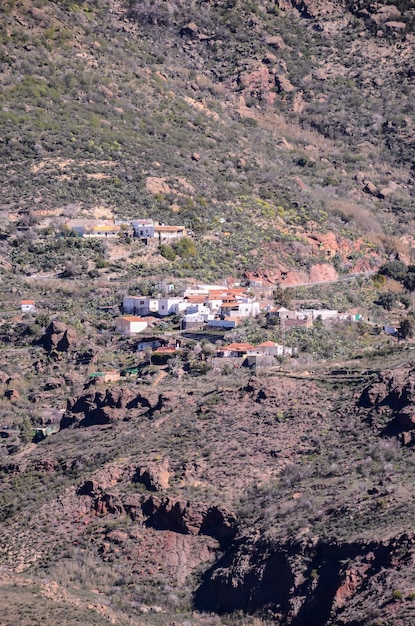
pixel 167 252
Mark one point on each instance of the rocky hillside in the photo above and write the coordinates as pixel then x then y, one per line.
pixel 281 134
pixel 279 496
pixel 256 125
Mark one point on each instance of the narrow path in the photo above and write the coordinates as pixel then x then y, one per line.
pixel 27 450
pixel 162 374
pixel 341 279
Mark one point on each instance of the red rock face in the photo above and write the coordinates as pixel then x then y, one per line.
pixel 322 272
pixel 258 82
pixel 353 578
pixel 111 405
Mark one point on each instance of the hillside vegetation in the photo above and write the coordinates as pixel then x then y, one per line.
pixel 185 490
pixel 273 118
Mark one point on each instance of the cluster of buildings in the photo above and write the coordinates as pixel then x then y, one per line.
pixel 213 306
pixel 306 317
pixel 149 231
pixel 216 307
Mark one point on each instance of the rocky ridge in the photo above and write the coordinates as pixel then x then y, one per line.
pixel 271 535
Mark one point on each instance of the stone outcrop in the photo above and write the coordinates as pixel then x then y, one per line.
pixel 170 514
pixel 58 336
pixel 393 393
pixel 114 404
pixel 283 84
pixel 299 584
pixel 275 41
pixel 154 476
pixel 174 515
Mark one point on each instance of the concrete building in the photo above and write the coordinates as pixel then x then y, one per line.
pixel 143 228
pixel 165 234
pixel 142 305
pixel 240 309
pixel 28 306
pixel 130 324
pixel 171 306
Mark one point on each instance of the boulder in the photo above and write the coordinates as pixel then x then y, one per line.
pixel 154 476
pixel 58 337
pixel 283 84
pixel 275 41
pixel 52 383
pixel 190 30
pixel 270 59
pixel 387 191
pixel 12 394
pixel 370 188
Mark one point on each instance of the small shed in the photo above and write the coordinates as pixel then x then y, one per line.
pixel 42 433
pixel 130 324
pixel 28 306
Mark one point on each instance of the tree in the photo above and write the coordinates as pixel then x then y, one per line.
pixel 167 252
pixel 282 297
pixel 26 430
pixel 406 328
pixel 185 248
pixel 386 300
pixel 394 269
pixel 409 281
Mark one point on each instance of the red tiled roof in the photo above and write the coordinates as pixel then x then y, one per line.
pixel 266 344
pixel 28 302
pixel 197 298
pixel 165 349
pixel 238 347
pixel 133 318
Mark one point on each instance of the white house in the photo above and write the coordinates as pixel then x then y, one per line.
pixel 198 307
pixel 28 306
pixel 323 314
pixel 196 319
pixel 275 349
pixel 169 233
pixel 171 306
pixel 144 229
pixel 130 324
pixel 240 309
pixel 140 304
pixel 236 350
pixel 96 228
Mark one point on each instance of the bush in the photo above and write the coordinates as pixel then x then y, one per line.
pixel 386 300
pixel 394 269
pixel 185 248
pixel 406 328
pixel 167 252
